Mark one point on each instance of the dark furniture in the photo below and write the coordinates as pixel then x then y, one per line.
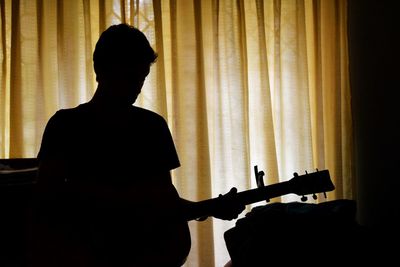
pixel 17 179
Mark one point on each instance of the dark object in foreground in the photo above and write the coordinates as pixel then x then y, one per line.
pixel 297 233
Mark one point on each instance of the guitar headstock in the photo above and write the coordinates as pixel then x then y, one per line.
pixel 311 183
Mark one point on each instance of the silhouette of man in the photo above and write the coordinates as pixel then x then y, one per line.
pixel 105 192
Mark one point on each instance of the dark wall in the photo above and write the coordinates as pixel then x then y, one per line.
pixel 375 82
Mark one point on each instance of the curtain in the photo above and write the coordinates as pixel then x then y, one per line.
pixel 241 83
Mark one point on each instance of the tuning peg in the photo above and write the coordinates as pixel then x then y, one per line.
pixel 295 174
pixel 314 196
pixel 325 195
pixel 259 177
pixel 306 172
pixel 304 198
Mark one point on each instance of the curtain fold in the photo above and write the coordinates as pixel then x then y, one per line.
pixel 241 83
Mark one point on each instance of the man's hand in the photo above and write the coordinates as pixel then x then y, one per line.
pixel 228 206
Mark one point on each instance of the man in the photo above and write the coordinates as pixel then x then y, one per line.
pixel 105 192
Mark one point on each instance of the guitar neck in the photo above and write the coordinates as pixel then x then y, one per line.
pixel 263 193
pixel 206 207
pixel 309 183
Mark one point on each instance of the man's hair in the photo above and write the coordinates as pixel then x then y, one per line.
pixel 121 46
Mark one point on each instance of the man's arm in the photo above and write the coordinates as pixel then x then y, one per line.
pixel 225 207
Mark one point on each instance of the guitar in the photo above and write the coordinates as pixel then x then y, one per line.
pixel 171 237
pixel 302 185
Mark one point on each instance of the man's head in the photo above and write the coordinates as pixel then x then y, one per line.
pixel 122 58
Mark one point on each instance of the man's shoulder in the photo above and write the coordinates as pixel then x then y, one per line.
pixel 63 115
pixel 147 114
pixel 70 111
pixel 76 111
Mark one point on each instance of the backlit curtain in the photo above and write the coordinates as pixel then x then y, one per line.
pixel 240 82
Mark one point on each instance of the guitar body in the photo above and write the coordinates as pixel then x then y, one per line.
pixel 71 231
pixel 174 245
pixel 141 237
pixel 142 241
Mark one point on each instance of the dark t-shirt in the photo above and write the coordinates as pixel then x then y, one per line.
pixel 119 147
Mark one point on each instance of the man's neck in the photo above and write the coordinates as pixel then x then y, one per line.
pixel 103 99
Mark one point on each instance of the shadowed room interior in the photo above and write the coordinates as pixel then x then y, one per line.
pixel 373 30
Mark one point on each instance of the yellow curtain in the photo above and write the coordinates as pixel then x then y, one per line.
pixel 241 83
